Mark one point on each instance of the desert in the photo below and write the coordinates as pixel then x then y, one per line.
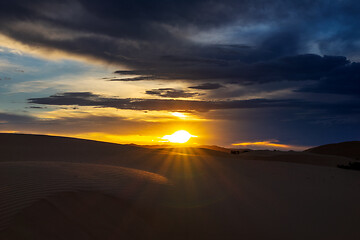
pixel 94 190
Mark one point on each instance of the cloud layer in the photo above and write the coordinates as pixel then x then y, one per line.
pixel 294 64
pixel 171 93
pixel 158 39
pixel 95 100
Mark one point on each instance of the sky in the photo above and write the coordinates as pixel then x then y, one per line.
pixel 234 73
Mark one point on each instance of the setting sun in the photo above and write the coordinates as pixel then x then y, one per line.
pixel 178 114
pixel 180 136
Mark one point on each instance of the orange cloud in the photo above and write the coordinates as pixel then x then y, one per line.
pixel 271 144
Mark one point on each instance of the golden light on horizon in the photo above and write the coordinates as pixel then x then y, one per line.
pixel 180 136
pixel 264 143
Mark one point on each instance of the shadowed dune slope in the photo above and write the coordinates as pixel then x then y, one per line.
pixel 81 216
pixel 23 183
pixel 209 200
pixel 344 149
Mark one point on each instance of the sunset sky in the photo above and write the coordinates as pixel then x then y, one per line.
pixel 234 73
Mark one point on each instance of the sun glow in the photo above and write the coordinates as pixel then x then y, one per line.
pixel 178 114
pixel 180 136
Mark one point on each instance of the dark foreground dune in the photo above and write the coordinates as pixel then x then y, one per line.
pixel 23 183
pixel 90 190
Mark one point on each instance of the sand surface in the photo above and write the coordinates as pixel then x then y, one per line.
pixel 23 183
pixel 139 193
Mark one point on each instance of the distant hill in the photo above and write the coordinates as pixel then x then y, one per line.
pixel 344 149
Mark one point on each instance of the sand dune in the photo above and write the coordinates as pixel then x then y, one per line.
pixel 23 183
pixel 79 215
pixel 345 149
pixel 138 193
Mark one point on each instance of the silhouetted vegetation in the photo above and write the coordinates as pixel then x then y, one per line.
pixel 239 151
pixel 351 165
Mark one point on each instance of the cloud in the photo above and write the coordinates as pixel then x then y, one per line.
pixel 36 107
pixel 86 123
pixel 274 144
pixel 131 79
pixel 171 93
pixel 254 44
pixel 157 39
pixel 207 86
pixel 127 72
pixel 91 99
pixel 342 80
pixel 292 68
pixel 14 118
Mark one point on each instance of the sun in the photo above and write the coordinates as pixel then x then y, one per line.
pixel 180 136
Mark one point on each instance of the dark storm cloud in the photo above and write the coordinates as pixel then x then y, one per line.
pixel 36 107
pixel 292 68
pixel 131 79
pixel 295 68
pixel 128 72
pixel 343 80
pixel 134 33
pixel 90 99
pixel 171 93
pixel 207 86
pixel 152 37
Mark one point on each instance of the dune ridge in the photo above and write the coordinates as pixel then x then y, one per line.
pixel 345 149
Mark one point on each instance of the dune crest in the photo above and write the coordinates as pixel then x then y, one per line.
pixel 344 149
